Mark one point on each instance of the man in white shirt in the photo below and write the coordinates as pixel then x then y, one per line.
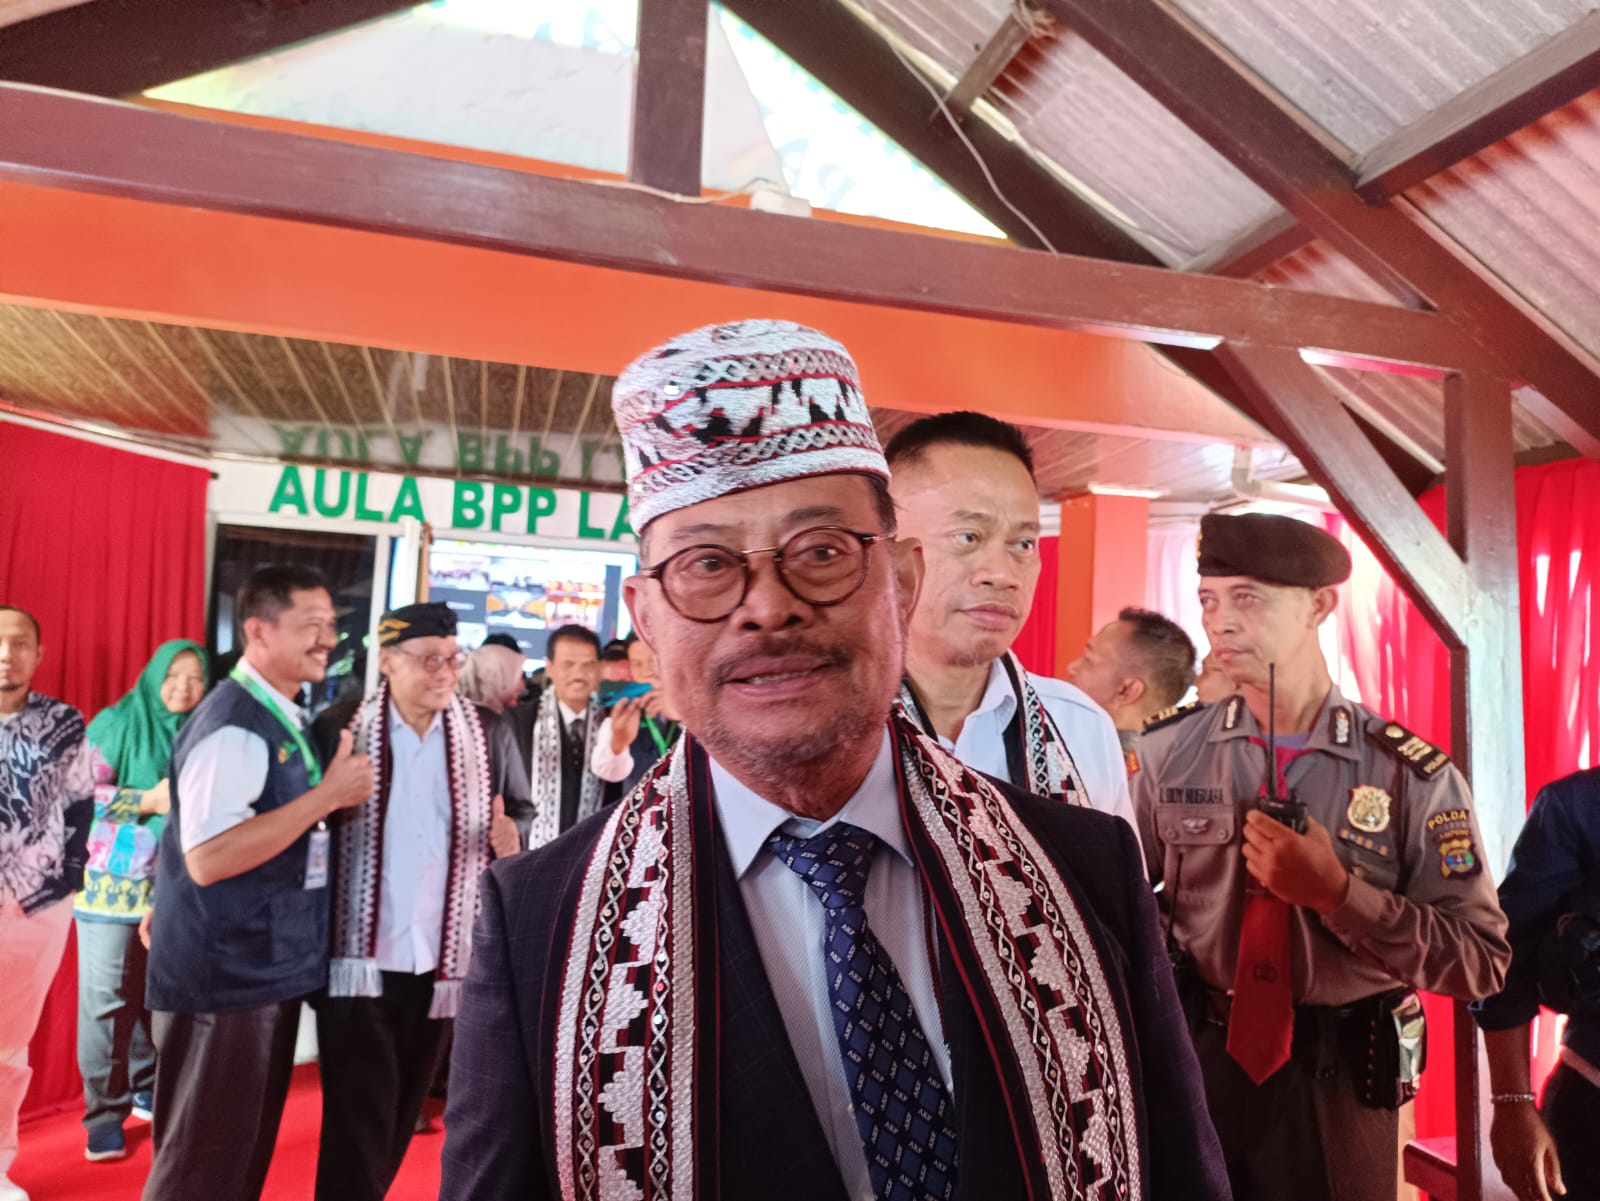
pixel 963 486
pixel 558 735
pixel 406 870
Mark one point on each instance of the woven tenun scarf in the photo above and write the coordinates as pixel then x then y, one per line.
pixel 636 1071
pixel 544 762
pixel 1047 762
pixel 353 970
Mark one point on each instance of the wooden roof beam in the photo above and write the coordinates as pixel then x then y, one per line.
pixel 991 62
pixel 59 140
pixel 1203 86
pixel 118 48
pixel 669 95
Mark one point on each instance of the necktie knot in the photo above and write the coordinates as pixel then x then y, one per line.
pixel 834 862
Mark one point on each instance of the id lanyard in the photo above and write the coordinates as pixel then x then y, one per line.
pixel 250 685
pixel 662 740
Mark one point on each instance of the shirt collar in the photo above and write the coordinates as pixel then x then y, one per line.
pixel 1335 729
pixel 749 819
pixel 398 723
pixel 998 695
pixel 568 716
pixel 289 709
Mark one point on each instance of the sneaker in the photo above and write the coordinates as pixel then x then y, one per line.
pixel 141 1106
pixel 106 1143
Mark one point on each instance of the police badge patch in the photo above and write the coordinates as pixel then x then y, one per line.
pixel 1368 810
pixel 1452 836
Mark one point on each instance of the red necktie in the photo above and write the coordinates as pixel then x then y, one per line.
pixel 1261 1022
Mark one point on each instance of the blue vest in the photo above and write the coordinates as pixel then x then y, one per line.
pixel 257 938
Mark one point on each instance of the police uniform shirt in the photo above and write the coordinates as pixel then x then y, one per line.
pixel 1421 910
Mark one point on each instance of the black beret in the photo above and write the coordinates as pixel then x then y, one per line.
pixel 416 621
pixel 1278 550
pixel 505 640
pixel 616 650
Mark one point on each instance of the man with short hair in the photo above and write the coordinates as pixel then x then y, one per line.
pixel 641 660
pixel 557 733
pixel 1303 923
pixel 1135 667
pixel 406 869
pixel 239 933
pixel 614 664
pixel 812 955
pixel 964 487
pixel 46 808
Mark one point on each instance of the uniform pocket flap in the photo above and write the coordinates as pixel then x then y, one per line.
pixel 1196 825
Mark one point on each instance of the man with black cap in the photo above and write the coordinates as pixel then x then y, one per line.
pixel 1301 936
pixel 405 890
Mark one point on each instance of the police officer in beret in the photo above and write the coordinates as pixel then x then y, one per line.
pixel 1304 906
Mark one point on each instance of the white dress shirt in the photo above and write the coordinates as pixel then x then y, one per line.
pixel 788 921
pixel 416 848
pixel 224 773
pixel 611 766
pixel 1087 728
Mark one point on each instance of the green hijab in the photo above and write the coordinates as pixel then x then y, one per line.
pixel 135 734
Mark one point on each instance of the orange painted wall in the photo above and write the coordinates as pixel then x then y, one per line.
pixel 96 254
pixel 1101 566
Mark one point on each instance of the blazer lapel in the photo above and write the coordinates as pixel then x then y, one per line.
pixel 987 1166
pixel 771 1138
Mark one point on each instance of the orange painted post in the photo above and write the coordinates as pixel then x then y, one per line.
pixel 1101 567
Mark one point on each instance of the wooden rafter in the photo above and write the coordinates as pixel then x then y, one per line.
pixel 118 48
pixel 136 153
pixel 669 93
pixel 991 61
pixel 1195 79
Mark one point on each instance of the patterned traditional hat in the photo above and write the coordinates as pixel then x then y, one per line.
pixel 738 406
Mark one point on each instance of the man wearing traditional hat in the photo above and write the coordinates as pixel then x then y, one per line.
pixel 406 867
pixel 1301 936
pixel 811 955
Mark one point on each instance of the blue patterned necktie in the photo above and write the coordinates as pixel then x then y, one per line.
pixel 902 1109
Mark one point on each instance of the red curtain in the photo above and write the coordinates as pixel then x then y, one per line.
pixel 1036 643
pixel 1402 670
pixel 107 549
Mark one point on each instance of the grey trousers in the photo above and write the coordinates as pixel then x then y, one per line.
pixel 221 1081
pixel 116 1055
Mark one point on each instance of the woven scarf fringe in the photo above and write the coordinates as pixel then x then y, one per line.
pixel 446 999
pixel 354 978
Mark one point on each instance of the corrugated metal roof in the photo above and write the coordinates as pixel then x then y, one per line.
pixel 951 32
pixel 1078 110
pixel 1529 210
pixel 1365 70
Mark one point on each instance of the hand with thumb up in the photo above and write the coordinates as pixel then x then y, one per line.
pixel 504 838
pixel 349 779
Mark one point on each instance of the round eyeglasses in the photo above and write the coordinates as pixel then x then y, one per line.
pixel 821 566
pixel 433 663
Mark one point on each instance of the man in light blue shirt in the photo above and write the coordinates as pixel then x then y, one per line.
pixel 963 486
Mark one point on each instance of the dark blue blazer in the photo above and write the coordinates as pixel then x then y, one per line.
pixel 499 1142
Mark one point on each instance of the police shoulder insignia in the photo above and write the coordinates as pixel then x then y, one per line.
pixel 1130 760
pixel 1425 759
pixel 1167 716
pixel 1230 719
pixel 1339 720
pixel 1451 831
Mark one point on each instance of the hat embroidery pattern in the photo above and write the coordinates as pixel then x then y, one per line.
pixel 738 406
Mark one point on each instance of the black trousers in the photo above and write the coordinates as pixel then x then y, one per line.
pixel 378 1056
pixel 1303 1133
pixel 221 1080
pixel 1571 1110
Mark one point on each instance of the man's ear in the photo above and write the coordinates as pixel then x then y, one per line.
pixel 1323 602
pixel 906 560
pixel 1130 692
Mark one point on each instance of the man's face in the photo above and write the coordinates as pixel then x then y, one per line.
pixel 298 642
pixel 780 683
pixel 1252 624
pixel 616 670
pixel 422 672
pixel 1099 670
pixel 643 661
pixel 574 671
pixel 20 652
pixel 184 684
pixel 976 513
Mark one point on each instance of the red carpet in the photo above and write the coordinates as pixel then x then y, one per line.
pixel 51 1165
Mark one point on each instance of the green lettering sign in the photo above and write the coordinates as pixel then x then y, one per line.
pixel 466 513
pixel 407 501
pixel 585 530
pixel 411 447
pixel 319 494
pixel 365 512
pixel 541 503
pixel 506 500
pixel 290 492
pixel 621 526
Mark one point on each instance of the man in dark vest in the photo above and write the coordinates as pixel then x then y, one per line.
pixel 240 933
pixel 558 733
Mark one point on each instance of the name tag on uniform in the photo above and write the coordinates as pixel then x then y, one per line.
pixel 317 860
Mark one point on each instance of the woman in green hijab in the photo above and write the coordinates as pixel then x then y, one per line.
pixel 132 743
